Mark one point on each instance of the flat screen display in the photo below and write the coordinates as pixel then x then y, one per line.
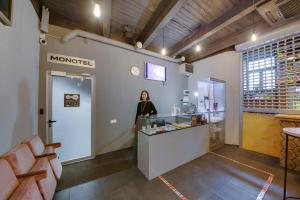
pixel 155 72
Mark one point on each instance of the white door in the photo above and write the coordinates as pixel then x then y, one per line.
pixel 70 116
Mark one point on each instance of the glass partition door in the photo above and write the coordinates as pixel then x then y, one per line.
pixel 211 102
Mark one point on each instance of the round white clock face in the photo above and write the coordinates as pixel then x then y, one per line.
pixel 135 71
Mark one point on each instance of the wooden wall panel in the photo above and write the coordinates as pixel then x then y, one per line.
pixel 261 133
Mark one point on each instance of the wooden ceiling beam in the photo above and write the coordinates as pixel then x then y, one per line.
pixel 229 41
pixel 231 48
pixel 165 11
pixel 237 12
pixel 106 18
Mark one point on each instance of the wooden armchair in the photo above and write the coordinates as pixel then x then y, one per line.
pixel 19 187
pixel 23 162
pixel 39 149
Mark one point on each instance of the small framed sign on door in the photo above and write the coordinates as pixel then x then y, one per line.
pixel 71 100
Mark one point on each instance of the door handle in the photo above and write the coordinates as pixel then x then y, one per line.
pixel 50 122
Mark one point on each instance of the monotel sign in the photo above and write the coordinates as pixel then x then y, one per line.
pixel 69 60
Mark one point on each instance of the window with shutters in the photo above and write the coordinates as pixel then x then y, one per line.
pixel 271 76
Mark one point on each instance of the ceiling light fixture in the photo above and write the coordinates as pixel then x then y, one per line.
pixel 97 11
pixel 182 58
pixel 198 48
pixel 163 51
pixel 253 36
pixel 139 44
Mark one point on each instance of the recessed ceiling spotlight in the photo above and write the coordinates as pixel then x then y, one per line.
pixel 253 37
pixel 139 44
pixel 97 11
pixel 163 51
pixel 198 48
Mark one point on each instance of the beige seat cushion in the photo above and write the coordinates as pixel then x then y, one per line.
pixel 38 148
pixel 28 189
pixel 47 186
pixel 57 168
pixel 55 163
pixel 48 150
pixel 20 159
pixel 8 180
pixel 35 144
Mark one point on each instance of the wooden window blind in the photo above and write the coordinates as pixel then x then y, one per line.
pixel 271 76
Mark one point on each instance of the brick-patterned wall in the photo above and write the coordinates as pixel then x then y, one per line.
pixel 293 147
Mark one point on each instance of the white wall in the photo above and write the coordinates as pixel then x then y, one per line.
pixel 117 91
pixel 225 66
pixel 19 65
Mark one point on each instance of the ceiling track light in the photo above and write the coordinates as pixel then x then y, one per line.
pixel 163 51
pixel 253 36
pixel 198 47
pixel 97 10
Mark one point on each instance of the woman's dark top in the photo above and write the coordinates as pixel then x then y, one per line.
pixel 145 107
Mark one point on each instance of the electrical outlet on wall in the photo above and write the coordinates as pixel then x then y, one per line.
pixel 113 121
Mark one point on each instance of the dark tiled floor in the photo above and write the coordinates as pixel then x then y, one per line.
pixel 114 176
pixel 104 165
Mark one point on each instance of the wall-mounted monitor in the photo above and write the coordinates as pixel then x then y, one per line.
pixel 155 72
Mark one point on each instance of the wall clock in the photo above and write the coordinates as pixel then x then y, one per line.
pixel 135 71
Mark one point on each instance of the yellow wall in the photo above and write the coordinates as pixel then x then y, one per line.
pixel 261 133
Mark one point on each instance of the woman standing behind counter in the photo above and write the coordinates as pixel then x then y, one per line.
pixel 145 107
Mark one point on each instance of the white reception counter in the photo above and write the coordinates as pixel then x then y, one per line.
pixel 160 153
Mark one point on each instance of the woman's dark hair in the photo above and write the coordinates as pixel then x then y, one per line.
pixel 148 96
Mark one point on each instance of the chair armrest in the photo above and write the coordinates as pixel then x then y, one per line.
pixel 54 145
pixel 50 156
pixel 38 175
